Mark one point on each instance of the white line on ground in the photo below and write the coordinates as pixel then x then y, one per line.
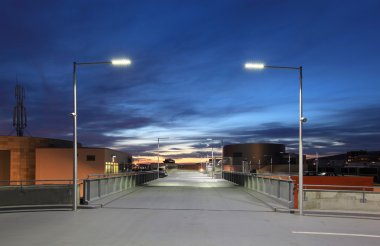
pixel 334 234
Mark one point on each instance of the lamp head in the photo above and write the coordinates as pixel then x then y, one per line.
pixel 121 62
pixel 249 65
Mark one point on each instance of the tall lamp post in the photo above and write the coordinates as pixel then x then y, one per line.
pixel 271 163
pixel 288 162
pixel 158 156
pixel 212 156
pixel 121 62
pixel 301 121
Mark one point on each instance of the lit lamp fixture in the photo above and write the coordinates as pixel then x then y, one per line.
pixel 118 62
pixel 121 62
pixel 254 66
pixel 301 121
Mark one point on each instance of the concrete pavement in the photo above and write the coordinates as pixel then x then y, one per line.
pixel 185 208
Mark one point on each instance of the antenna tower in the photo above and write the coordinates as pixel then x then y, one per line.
pixel 19 112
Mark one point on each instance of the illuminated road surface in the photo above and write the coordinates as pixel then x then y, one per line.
pixel 186 208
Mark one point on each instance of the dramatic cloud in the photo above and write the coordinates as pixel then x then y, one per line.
pixel 187 81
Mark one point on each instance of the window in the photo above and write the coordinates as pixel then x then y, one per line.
pixel 90 158
pixel 111 167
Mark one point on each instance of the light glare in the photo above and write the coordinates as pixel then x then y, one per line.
pixel 254 66
pixel 121 62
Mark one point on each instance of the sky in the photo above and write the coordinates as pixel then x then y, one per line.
pixel 187 81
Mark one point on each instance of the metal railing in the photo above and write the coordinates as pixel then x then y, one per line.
pixel 59 192
pixel 282 190
pixel 342 198
pixel 96 187
pixel 35 192
pixel 34 182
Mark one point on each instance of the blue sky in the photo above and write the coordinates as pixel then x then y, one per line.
pixel 187 80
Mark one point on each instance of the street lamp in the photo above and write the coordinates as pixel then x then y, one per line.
pixel 212 158
pixel 121 62
pixel 158 156
pixel 271 163
pixel 316 163
pixel 301 121
pixel 288 162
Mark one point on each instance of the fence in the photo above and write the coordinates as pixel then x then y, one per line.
pixel 99 187
pixel 59 192
pixel 31 192
pixel 352 198
pixel 281 190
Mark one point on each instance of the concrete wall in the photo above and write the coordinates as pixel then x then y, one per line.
pixel 342 200
pixel 35 195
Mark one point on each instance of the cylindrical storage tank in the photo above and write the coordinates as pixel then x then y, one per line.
pixel 254 153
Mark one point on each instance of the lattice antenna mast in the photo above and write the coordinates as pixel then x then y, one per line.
pixel 19 112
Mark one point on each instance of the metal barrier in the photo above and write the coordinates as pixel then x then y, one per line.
pixel 279 189
pixel 48 194
pixel 95 188
pixel 342 198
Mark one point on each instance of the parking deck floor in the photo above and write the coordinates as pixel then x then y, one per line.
pixel 185 208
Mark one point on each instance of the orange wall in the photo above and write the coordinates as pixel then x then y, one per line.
pixel 22 154
pixel 58 163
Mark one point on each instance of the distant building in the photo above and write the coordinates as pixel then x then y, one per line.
pixel 255 156
pixel 28 158
pixel 170 163
pixel 18 155
pixel 353 163
pixel 327 163
pixel 363 158
pixel 57 163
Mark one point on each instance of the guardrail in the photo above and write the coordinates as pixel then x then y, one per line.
pixel 34 182
pixel 337 197
pixel 96 188
pixel 35 192
pixel 279 189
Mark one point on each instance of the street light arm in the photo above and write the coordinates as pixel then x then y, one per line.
pixel 119 62
pixel 93 63
pixel 281 67
pixel 250 65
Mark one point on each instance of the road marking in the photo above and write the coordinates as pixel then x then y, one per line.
pixel 334 234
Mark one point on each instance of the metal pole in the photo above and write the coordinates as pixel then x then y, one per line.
pixel 158 158
pixel 289 163
pixel 271 165
pixel 259 164
pixel 300 173
pixel 74 114
pixel 212 162
pixel 221 165
pixel 316 164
